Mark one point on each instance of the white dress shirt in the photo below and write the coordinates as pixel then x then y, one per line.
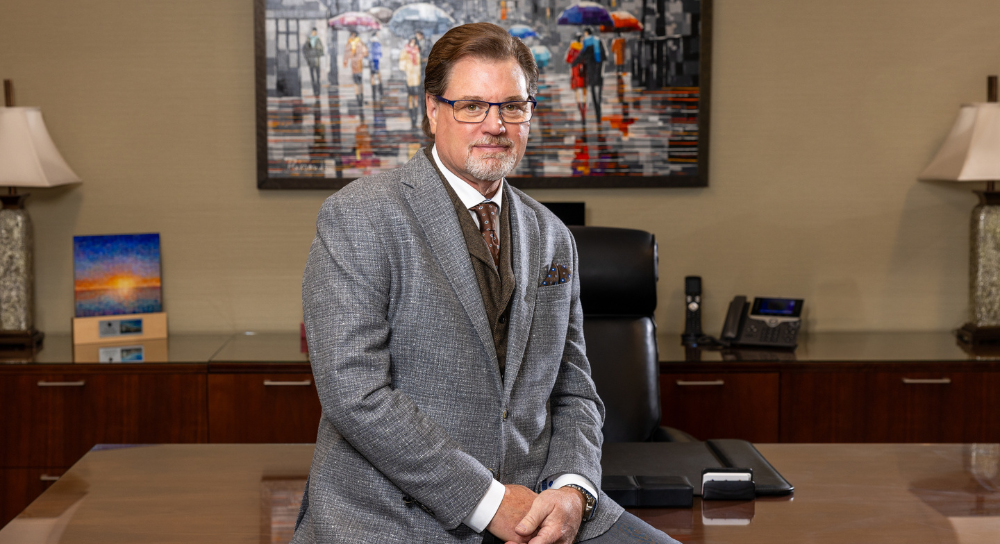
pixel 483 514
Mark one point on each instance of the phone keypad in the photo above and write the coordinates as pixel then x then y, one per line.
pixel 760 333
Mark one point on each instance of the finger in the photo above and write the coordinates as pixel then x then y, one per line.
pixel 547 535
pixel 540 508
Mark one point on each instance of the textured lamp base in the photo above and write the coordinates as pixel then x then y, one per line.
pixel 984 266
pixel 17 278
pixel 20 345
pixel 972 335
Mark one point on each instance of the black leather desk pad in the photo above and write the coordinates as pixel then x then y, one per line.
pixel 688 459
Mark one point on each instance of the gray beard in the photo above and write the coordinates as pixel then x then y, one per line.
pixel 491 167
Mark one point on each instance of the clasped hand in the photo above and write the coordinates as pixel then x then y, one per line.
pixel 550 517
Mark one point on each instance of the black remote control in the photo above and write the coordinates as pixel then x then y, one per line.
pixel 692 301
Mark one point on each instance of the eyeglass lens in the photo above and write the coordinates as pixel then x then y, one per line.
pixel 474 111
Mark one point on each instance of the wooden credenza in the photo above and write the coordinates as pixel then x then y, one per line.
pixel 844 387
pixel 888 387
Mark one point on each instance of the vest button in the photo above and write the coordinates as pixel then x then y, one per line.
pixel 504 415
pixel 503 319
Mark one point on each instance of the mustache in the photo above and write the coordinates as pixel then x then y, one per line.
pixel 493 140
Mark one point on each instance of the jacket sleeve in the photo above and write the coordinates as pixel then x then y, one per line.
pixel 346 298
pixel 577 411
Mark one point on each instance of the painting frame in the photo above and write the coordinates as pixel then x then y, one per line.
pixel 266 180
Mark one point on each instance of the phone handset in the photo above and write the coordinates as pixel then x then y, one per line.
pixel 731 328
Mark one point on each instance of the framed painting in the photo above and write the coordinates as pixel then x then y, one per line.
pixel 336 98
pixel 117 274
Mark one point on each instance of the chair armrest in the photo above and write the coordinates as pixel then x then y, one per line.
pixel 670 434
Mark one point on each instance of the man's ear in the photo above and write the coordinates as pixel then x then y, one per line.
pixel 432 106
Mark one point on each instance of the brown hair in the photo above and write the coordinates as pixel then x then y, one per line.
pixel 481 40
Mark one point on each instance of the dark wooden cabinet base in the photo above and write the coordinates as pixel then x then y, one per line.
pixel 262 408
pixel 721 405
pixel 823 407
pixel 839 387
pixel 53 418
pixel 941 406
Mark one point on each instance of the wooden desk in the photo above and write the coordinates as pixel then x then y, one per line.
pixel 226 493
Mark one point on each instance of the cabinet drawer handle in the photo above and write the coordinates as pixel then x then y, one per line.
pixel 303 382
pixel 44 383
pixel 48 478
pixel 928 380
pixel 683 383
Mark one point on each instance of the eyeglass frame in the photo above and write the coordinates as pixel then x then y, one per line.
pixel 534 104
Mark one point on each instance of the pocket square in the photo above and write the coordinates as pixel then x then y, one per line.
pixel 556 274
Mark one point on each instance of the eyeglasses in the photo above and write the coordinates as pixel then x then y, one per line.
pixel 475 111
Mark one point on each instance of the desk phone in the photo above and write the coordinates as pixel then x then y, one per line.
pixel 770 322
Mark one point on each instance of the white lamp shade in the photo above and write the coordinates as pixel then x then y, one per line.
pixel 28 157
pixel 972 150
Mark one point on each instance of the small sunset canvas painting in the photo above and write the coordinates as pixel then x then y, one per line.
pixel 117 274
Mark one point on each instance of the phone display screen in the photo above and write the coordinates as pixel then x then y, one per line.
pixel 784 307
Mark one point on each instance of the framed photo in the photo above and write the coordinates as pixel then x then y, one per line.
pixel 339 93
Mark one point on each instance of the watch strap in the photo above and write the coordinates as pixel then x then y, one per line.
pixel 589 499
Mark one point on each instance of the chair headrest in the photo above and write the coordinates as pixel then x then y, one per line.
pixel 618 270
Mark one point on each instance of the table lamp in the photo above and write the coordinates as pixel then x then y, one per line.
pixel 28 158
pixel 971 153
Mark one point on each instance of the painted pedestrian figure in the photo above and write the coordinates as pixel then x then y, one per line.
pixel 618 50
pixel 409 64
pixel 354 55
pixel 313 51
pixel 578 75
pixel 593 56
pixel 374 57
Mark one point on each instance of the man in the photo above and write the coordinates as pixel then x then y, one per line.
pixel 593 56
pixel 445 332
pixel 312 50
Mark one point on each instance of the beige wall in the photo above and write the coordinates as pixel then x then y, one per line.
pixel 823 113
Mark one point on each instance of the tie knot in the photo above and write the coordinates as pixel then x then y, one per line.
pixel 486 211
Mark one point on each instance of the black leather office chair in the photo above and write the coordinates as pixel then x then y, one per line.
pixel 618 274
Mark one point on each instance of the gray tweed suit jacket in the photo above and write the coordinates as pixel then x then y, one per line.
pixel 416 418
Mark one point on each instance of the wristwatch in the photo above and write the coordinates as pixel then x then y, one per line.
pixel 591 501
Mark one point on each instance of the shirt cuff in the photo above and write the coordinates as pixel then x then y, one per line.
pixel 483 514
pixel 567 479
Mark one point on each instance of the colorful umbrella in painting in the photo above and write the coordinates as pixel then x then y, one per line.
pixel 624 22
pixel 427 18
pixel 585 13
pixel 522 31
pixel 382 13
pixel 356 21
pixel 542 55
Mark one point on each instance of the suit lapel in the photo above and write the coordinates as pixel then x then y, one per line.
pixel 435 213
pixel 524 260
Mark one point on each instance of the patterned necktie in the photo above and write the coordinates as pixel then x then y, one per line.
pixel 487 213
